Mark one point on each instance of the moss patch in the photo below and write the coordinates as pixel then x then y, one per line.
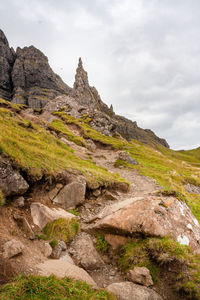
pixel 2 199
pixel 43 288
pixel 63 229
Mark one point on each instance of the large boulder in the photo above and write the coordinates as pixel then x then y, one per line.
pixel 84 252
pixel 131 291
pixel 62 268
pixel 72 194
pixel 12 248
pixel 42 214
pixel 150 216
pixel 11 182
pixel 127 158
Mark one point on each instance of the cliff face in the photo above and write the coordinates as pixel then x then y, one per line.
pixel 26 78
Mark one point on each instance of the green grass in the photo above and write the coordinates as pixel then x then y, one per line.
pixel 38 153
pixel 101 245
pixel 44 288
pixel 156 253
pixel 12 106
pixel 74 212
pixel 63 229
pixel 2 198
pixel 60 127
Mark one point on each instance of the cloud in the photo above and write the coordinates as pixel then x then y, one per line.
pixel 143 56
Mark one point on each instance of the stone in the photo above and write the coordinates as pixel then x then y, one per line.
pixel 116 241
pixel 147 217
pixel 84 252
pixel 12 248
pixel 72 194
pixel 62 269
pixel 191 188
pixel 19 202
pixel 66 257
pixel 11 182
pixel 42 214
pixel 127 158
pixel 140 275
pixel 56 252
pixel 62 245
pixel 130 291
pixel 91 145
pixel 46 249
pixel 96 192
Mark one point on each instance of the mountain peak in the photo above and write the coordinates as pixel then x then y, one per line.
pixel 3 38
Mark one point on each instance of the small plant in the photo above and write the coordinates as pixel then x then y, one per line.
pixel 101 245
pixel 74 212
pixel 53 243
pixel 2 199
pixel 64 229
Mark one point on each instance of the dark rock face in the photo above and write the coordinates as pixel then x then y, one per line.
pixel 6 62
pixel 27 78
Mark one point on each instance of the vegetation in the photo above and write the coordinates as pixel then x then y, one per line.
pixel 60 127
pixel 101 245
pixel 74 211
pixel 2 200
pixel 14 107
pixel 39 153
pixel 156 253
pixel 43 288
pixel 53 243
pixel 64 229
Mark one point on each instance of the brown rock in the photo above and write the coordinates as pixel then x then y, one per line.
pixel 24 224
pixel 146 216
pixel 42 214
pixel 116 241
pixel 140 275
pixel 19 202
pixel 84 252
pixel 46 249
pixel 56 252
pixel 131 291
pixel 62 268
pixel 12 248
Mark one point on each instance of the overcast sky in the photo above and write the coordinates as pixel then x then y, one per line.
pixel 143 56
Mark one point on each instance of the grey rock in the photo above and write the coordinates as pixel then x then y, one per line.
pixel 84 252
pixel 12 248
pixel 91 145
pixel 191 188
pixel 46 249
pixel 129 291
pixel 19 202
pixel 66 257
pixel 72 194
pixel 62 245
pixel 127 158
pixel 56 252
pixel 11 182
pixel 140 275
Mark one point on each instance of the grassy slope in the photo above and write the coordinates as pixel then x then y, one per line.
pixel 39 153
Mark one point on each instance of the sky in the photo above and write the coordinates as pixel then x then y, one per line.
pixel 143 56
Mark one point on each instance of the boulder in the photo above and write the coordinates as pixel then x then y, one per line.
pixel 42 214
pixel 191 188
pixel 11 182
pixel 116 241
pixel 46 249
pixel 12 248
pixel 91 145
pixel 62 268
pixel 66 257
pixel 127 158
pixel 140 275
pixel 129 291
pixel 84 252
pixel 18 202
pixel 150 216
pixel 72 194
pixel 56 252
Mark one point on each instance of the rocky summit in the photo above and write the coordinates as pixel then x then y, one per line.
pixel 91 205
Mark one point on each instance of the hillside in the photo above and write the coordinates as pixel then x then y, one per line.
pixel 88 209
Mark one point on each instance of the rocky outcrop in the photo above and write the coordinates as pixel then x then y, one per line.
pixel 130 291
pixel 42 214
pixel 7 56
pixel 127 158
pixel 11 182
pixel 152 217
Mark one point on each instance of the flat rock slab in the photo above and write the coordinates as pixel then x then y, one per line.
pixel 42 214
pixel 152 216
pixel 131 291
pixel 62 268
